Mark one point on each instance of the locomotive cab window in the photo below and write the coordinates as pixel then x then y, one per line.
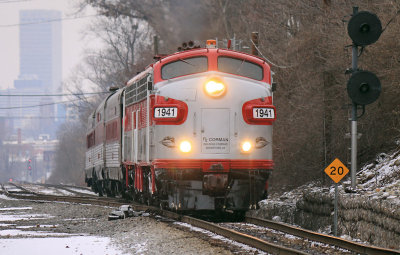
pixel 240 67
pixel 184 67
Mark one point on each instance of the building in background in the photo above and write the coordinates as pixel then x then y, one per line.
pixel 29 132
pixel 40 73
pixel 40 47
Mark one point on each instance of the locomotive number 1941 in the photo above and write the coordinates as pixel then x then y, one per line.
pixel 263 113
pixel 165 112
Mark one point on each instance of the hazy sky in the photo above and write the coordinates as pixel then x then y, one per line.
pixel 73 41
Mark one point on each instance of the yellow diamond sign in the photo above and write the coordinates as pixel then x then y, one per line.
pixel 336 170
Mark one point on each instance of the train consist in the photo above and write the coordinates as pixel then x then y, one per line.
pixel 193 131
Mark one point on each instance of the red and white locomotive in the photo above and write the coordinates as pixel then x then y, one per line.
pixel 191 132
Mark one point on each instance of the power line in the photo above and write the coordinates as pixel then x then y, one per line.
pixel 49 21
pixel 31 106
pixel 15 1
pixel 52 95
pixel 32 117
pixel 266 59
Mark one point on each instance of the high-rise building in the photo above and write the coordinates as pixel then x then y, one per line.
pixel 40 46
pixel 40 72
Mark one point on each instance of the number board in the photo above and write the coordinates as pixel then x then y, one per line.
pixel 336 170
pixel 263 113
pixel 165 112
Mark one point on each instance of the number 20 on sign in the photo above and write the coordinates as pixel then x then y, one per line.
pixel 336 170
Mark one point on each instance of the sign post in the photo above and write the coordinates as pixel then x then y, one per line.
pixel 336 170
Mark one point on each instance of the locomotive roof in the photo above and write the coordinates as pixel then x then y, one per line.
pixel 213 54
pixel 203 51
pixel 200 52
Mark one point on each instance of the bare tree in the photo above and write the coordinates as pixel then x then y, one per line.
pixel 126 46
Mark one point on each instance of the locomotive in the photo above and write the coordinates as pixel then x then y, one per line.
pixel 193 131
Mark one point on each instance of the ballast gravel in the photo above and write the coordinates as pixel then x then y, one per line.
pixel 135 235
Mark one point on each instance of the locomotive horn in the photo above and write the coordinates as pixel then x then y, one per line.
pixel 190 44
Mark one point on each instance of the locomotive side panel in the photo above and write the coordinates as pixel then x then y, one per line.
pixel 113 120
pixel 89 147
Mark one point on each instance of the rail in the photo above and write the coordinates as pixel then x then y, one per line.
pixel 327 239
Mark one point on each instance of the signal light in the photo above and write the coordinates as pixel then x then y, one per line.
pixel 215 87
pixel 364 28
pixel 29 164
pixel 363 87
pixel 211 44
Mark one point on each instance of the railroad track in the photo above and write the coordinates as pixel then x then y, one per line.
pixel 232 231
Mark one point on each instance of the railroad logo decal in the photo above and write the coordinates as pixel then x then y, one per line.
pixel 215 144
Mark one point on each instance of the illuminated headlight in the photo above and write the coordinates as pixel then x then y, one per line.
pixel 214 88
pixel 246 146
pixel 185 146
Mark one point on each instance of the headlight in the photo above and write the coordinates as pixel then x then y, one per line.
pixel 246 146
pixel 215 88
pixel 185 146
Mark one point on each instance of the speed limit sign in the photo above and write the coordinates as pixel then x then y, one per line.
pixel 336 170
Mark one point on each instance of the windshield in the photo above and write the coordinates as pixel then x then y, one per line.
pixel 240 67
pixel 184 67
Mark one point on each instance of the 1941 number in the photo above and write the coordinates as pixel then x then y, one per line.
pixel 165 112
pixel 263 113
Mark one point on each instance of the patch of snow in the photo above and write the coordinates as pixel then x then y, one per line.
pixel 84 191
pixel 292 237
pixel 15 208
pixel 6 225
pixel 79 219
pixel 140 248
pixel 16 232
pixel 37 226
pixel 88 245
pixel 2 196
pixel 8 217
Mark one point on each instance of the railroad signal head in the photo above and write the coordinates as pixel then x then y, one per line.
pixel 364 28
pixel 29 164
pixel 363 87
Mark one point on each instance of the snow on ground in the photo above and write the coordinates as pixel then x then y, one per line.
pixel 14 217
pixel 84 191
pixel 86 245
pixel 47 190
pixel 4 197
pixel 11 188
pixel 15 208
pixel 379 180
pixel 31 239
